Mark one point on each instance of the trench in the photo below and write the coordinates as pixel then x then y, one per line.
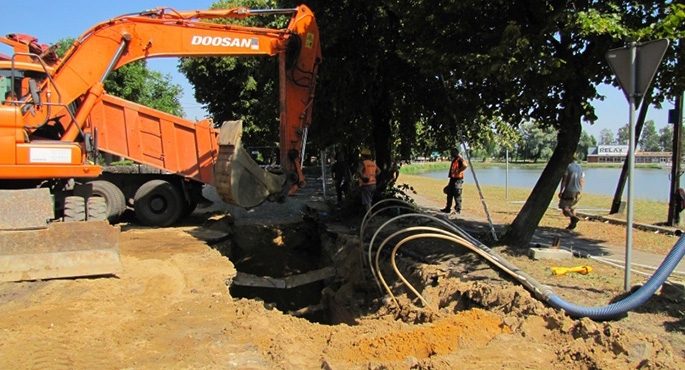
pixel 281 265
pixel 309 266
pixel 298 266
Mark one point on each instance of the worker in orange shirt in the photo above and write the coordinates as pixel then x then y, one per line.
pixel 367 173
pixel 454 187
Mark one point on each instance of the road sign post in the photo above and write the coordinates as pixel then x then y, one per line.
pixel 634 67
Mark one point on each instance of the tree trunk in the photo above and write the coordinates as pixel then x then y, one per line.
pixel 618 195
pixel 525 223
pixel 382 133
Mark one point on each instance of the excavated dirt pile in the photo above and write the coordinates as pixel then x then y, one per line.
pixel 289 288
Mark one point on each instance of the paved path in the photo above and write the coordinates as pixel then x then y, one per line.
pixel 571 240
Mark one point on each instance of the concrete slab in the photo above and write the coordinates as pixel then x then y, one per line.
pixel 549 253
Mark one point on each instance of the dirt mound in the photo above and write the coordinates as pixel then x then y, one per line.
pixel 470 329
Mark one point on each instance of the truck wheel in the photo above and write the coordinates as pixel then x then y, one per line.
pixel 74 209
pixel 158 203
pixel 96 209
pixel 114 198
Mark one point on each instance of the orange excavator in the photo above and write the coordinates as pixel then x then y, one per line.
pixel 57 201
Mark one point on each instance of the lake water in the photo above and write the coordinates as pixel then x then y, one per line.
pixel 648 183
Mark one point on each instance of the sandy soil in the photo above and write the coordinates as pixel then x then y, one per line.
pixel 171 309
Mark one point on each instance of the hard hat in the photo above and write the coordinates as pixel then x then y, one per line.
pixel 366 151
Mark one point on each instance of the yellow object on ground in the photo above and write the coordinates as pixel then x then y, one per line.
pixel 564 270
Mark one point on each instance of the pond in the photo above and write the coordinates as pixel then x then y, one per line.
pixel 649 183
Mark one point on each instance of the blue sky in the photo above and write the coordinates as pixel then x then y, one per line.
pixel 51 20
pixel 613 112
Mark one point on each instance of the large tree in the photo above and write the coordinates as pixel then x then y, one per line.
pixel 526 61
pixel 523 61
pixel 451 66
pixel 369 94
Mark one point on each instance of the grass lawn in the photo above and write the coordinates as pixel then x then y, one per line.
pixel 504 207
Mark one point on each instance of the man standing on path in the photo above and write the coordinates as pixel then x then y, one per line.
pixel 341 177
pixel 367 172
pixel 456 176
pixel 570 192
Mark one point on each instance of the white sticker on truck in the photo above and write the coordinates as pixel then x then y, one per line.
pixel 50 155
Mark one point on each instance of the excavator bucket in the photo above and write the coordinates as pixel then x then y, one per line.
pixel 33 248
pixel 238 179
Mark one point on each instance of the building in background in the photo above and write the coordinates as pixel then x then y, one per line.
pixel 618 153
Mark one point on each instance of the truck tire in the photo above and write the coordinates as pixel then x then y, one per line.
pixel 158 203
pixel 74 209
pixel 96 209
pixel 114 197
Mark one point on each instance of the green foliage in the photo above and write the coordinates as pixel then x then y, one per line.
pixel 641 21
pixel 494 137
pixel 63 45
pixel 596 21
pixel 400 191
pixel 623 135
pixel 135 82
pixel 666 138
pixel 606 137
pixel 584 144
pixel 414 79
pixel 536 143
pixel 243 88
pixel 649 140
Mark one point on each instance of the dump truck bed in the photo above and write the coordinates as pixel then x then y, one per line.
pixel 186 148
pixel 155 138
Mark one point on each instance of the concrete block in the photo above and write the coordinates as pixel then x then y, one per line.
pixel 549 254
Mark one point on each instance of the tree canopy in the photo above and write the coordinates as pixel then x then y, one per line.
pixel 243 88
pixel 606 137
pixel 649 140
pixel 429 75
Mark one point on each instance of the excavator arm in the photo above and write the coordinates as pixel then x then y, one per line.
pixel 164 32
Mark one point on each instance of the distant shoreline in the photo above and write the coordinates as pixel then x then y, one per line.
pixel 415 168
